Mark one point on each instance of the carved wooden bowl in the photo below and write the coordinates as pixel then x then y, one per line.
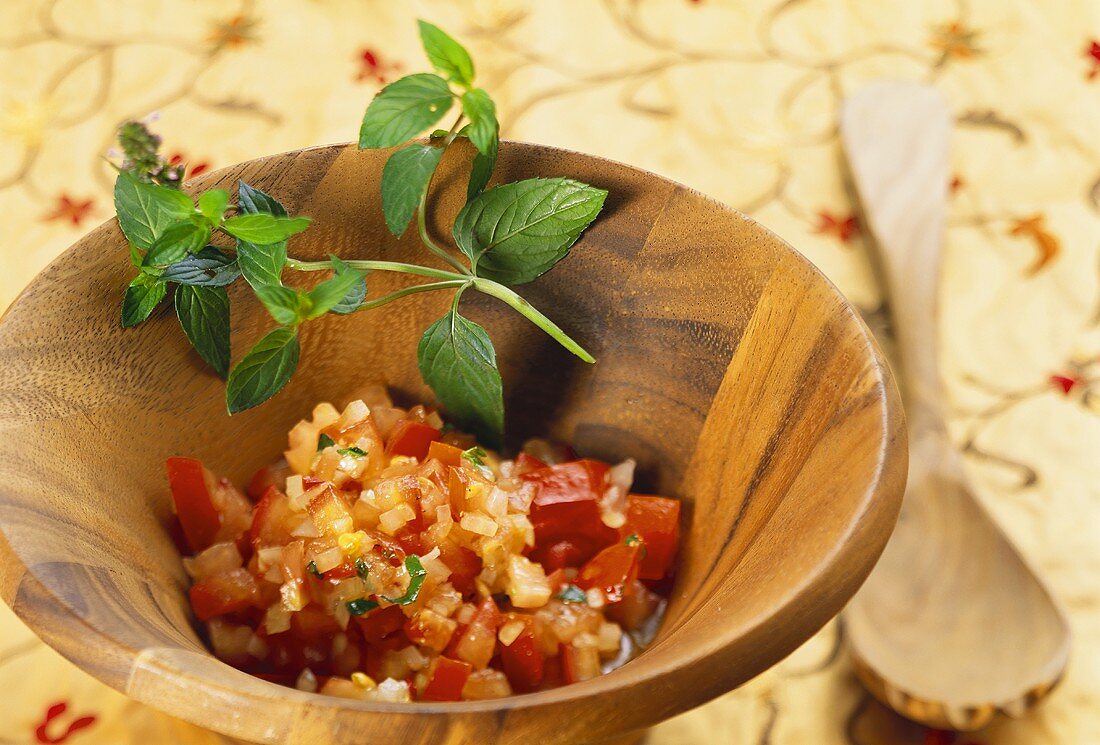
pixel 728 366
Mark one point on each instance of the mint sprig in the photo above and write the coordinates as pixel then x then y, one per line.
pixel 506 235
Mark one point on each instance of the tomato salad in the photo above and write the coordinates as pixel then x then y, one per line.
pixel 388 559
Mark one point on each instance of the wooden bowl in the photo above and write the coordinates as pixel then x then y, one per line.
pixel 729 367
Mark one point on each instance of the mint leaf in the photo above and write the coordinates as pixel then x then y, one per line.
pixel 284 304
pixel 514 232
pixel 404 178
pixel 261 265
pixel 177 241
pixel 483 127
pixel 251 200
pixel 264 370
pixel 204 315
pixel 457 360
pixel 264 229
pixel 145 210
pixel 212 204
pixel 324 441
pixel 475 455
pixel 404 109
pixel 480 173
pixel 446 55
pixel 572 594
pixel 142 295
pixel 354 297
pixel 207 268
pixel 353 451
pixel 326 295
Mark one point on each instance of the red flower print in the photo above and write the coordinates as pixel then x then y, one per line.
pixel 43 731
pixel 844 227
pixel 1048 245
pixel 235 31
pixel 191 169
pixel 1066 383
pixel 73 210
pixel 955 41
pixel 1092 53
pixel 372 67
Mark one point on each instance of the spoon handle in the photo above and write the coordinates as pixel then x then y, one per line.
pixel 897 136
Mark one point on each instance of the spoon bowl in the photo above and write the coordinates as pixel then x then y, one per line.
pixel 729 368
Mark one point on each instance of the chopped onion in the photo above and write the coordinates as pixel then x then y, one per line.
pixel 480 523
pixel 307 681
pixel 527 583
pixel 328 559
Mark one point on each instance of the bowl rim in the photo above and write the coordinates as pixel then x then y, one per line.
pixel 882 494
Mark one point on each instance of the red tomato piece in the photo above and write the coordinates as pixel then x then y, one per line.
pixel 330 513
pixel 312 622
pixel 192 492
pixel 478 641
pixel 380 623
pixel 225 593
pixel 613 570
pixel 412 439
pixel 269 520
pixel 464 564
pixel 523 662
pixel 656 520
pixel 274 474
pixel 446 680
pixel 527 463
pixel 566 508
pixel 343 571
pixel 446 454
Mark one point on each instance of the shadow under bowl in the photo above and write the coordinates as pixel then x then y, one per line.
pixel 733 372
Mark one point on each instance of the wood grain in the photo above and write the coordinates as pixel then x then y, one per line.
pixel 728 366
pixel 952 627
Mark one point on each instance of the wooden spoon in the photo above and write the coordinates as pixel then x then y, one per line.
pixel 952 626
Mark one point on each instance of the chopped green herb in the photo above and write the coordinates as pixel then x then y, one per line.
pixel 572 594
pixel 357 452
pixel 324 441
pixel 475 455
pixel 417 573
pixel 311 567
pixel 361 607
pixel 361 568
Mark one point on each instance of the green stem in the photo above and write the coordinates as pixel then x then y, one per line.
pixel 376 266
pixel 501 292
pixel 422 213
pixel 398 294
pixel 422 226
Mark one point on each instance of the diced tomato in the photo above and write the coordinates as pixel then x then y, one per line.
pixel 527 463
pixel 225 593
pixel 612 570
pixel 638 604
pixel 274 474
pixel 412 439
pixel 579 663
pixel 269 519
pixel 380 623
pixel 565 553
pixel 478 641
pixel 576 481
pixel 192 492
pixel 330 513
pixel 431 630
pixel 446 679
pixel 446 454
pixel 522 661
pixel 342 571
pixel 656 520
pixel 566 508
pixel 464 564
pixel 312 622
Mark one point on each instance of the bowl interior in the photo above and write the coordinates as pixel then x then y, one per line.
pixel 733 372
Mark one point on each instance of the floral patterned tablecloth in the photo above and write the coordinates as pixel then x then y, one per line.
pixel 738 99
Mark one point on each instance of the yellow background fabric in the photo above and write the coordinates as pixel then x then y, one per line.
pixel 737 99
